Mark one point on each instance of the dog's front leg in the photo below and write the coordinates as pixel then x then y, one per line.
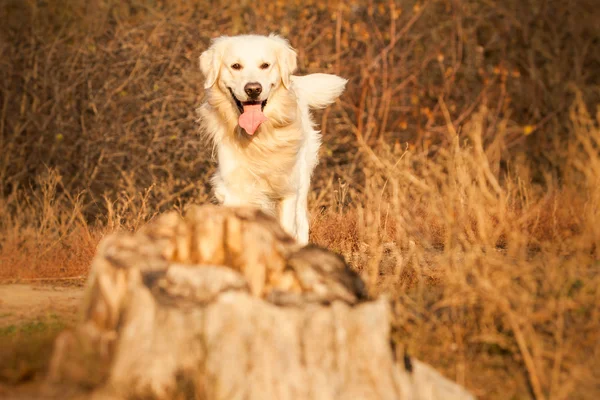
pixel 302 224
pixel 287 215
pixel 225 196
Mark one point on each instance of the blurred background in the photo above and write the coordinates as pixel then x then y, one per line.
pixel 459 171
pixel 104 92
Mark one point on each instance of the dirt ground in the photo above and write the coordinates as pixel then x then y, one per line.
pixel 27 302
pixel 31 315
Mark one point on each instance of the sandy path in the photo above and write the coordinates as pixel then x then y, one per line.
pixel 23 302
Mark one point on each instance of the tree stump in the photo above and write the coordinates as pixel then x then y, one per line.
pixel 223 304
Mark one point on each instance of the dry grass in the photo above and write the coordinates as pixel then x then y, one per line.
pixel 460 171
pixel 496 282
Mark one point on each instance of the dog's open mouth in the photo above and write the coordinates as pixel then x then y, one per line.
pixel 251 113
pixel 240 105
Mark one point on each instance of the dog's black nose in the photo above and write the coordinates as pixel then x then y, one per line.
pixel 253 89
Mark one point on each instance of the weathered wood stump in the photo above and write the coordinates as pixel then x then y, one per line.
pixel 222 304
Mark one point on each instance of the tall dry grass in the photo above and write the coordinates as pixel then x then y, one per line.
pixel 496 279
pixel 459 172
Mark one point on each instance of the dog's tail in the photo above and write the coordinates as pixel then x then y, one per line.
pixel 318 90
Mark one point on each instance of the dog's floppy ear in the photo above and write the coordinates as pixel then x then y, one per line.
pixel 286 59
pixel 210 63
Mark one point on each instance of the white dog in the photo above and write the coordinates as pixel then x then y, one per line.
pixel 257 115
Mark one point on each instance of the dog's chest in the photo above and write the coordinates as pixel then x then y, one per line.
pixel 269 165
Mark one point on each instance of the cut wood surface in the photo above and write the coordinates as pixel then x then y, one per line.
pixel 222 304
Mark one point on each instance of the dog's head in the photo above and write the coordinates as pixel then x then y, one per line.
pixel 248 68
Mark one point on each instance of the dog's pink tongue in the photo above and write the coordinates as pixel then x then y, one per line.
pixel 251 118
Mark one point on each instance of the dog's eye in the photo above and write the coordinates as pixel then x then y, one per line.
pixel 264 65
pixel 236 66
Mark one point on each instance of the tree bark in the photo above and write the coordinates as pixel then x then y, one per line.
pixel 222 304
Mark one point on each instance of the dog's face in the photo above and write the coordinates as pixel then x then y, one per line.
pixel 248 68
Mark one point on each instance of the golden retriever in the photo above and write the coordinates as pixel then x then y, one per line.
pixel 257 115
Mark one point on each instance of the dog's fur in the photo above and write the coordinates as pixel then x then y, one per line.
pixel 272 168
